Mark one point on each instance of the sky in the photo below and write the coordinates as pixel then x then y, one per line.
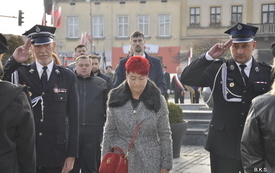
pixel 33 13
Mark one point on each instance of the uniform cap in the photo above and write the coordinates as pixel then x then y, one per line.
pixel 3 44
pixel 242 33
pixel 40 34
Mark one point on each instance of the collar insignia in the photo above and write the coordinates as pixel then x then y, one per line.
pixel 232 67
pixel 57 71
pixel 31 70
pixel 257 69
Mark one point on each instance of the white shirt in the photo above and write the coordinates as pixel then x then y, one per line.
pixel 40 70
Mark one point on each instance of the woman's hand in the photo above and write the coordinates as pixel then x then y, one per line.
pixel 164 171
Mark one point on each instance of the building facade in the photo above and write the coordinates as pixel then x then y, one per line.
pixel 170 27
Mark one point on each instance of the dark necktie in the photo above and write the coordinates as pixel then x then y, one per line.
pixel 44 77
pixel 244 76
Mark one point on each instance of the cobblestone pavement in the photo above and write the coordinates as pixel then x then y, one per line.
pixel 193 159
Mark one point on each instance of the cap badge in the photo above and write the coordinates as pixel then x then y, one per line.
pixel 37 29
pixel 239 27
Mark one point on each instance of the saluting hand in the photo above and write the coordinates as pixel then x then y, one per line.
pixel 219 48
pixel 21 54
pixel 68 165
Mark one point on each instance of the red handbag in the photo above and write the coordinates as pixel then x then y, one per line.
pixel 117 162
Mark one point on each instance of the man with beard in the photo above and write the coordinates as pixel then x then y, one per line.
pixel 96 70
pixel 137 42
pixel 234 83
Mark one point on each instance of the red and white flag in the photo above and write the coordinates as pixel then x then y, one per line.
pixel 57 18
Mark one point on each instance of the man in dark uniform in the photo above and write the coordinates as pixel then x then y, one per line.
pixel 54 97
pixel 17 134
pixel 233 89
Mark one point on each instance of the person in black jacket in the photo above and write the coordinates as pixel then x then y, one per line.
pixel 233 86
pixel 54 97
pixel 137 42
pixel 92 92
pixel 257 143
pixel 96 70
pixel 17 131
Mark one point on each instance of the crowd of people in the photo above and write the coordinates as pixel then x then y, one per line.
pixel 57 119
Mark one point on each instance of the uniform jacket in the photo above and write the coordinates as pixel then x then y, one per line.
pixel 258 140
pixel 228 118
pixel 60 106
pixel 17 131
pixel 152 148
pixel 92 100
pixel 155 73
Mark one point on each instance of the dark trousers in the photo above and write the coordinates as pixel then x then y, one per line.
pixel 178 96
pixel 220 164
pixel 48 170
pixel 90 138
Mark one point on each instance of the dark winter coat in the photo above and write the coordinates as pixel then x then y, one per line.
pixel 17 130
pixel 258 140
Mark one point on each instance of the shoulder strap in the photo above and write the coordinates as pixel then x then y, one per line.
pixel 134 138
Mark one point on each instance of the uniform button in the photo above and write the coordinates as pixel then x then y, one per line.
pixel 43 93
pixel 243 102
pixel 41 120
pixel 61 98
pixel 242 113
pixel 40 134
pixel 244 91
pixel 211 125
pixel 241 126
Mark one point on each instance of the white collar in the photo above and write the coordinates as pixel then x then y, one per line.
pixel 40 70
pixel 142 55
pixel 248 64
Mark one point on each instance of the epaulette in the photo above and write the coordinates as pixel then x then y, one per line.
pixel 264 64
pixel 26 64
pixel 65 68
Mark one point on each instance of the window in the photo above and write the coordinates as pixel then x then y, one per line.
pixel 164 25
pixel 143 25
pixel 123 26
pixel 194 15
pixel 73 24
pixel 268 13
pixel 236 14
pixel 215 15
pixel 97 27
